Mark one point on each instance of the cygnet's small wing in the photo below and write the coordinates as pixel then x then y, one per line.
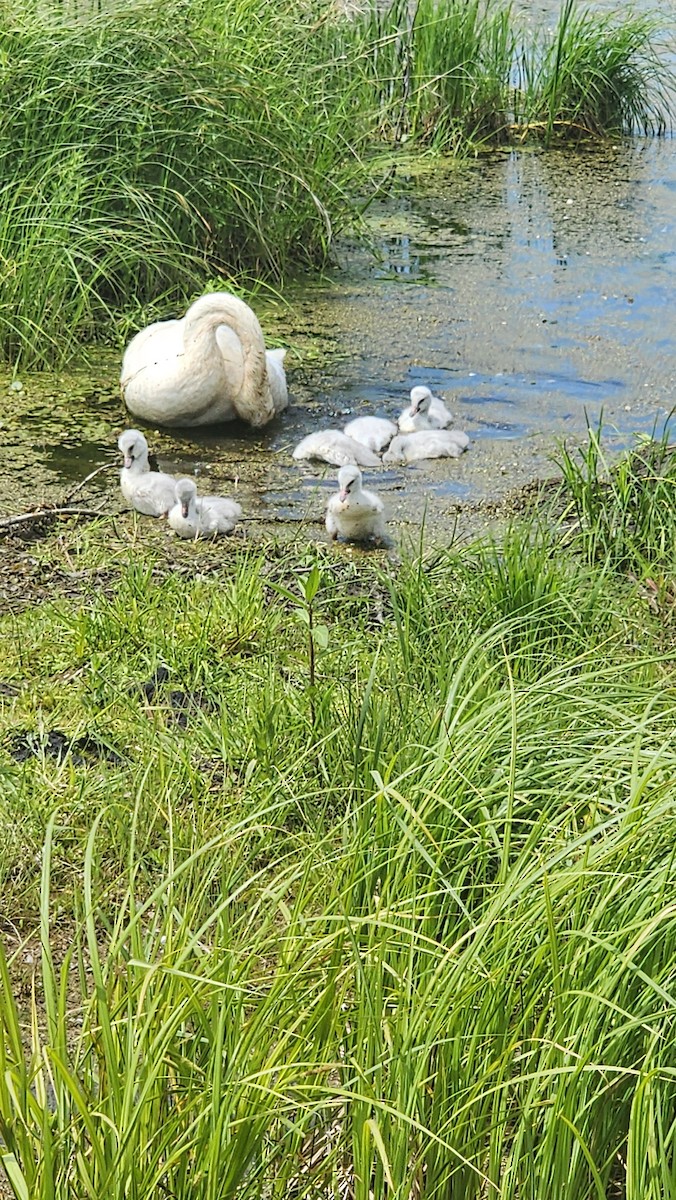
pixel 336 448
pixel 218 513
pixel 373 432
pixel 458 436
pixel 155 494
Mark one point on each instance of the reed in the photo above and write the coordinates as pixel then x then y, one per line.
pixel 148 150
pixel 599 75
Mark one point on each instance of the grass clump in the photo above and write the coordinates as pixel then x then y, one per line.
pixel 625 511
pixel 384 910
pixel 458 76
pixel 598 76
pixel 440 71
pixel 149 150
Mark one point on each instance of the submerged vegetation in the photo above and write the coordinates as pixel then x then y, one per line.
pixel 363 886
pixel 151 150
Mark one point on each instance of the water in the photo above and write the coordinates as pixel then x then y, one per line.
pixel 533 291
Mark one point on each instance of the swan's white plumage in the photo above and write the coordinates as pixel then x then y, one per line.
pixel 373 432
pixel 426 411
pixel 336 448
pixel 353 512
pixel 196 516
pixel 430 443
pixel 209 366
pixel 150 492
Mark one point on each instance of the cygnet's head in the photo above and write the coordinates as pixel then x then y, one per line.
pixel 349 480
pixel 421 398
pixel 133 445
pixel 185 494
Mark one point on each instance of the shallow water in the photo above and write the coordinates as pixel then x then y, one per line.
pixel 531 290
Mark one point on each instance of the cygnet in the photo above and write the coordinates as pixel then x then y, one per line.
pixel 431 443
pixel 425 411
pixel 334 447
pixel 201 516
pixel 354 513
pixel 150 492
pixel 374 432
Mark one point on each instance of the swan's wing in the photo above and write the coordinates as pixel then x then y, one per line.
pixel 155 344
pixel 232 353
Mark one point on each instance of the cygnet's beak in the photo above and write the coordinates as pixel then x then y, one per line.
pixel 184 508
pixel 128 460
pixel 342 495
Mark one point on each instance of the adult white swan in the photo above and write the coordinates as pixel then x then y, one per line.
pixel 209 366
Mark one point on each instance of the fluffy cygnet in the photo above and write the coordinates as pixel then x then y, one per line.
pixel 334 447
pixel 376 433
pixel 150 492
pixel 431 443
pixel 425 411
pixel 354 513
pixel 201 516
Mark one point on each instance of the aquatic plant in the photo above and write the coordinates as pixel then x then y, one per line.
pixel 441 70
pixel 457 75
pixel 598 75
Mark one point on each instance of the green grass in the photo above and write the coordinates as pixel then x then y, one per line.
pixel 148 151
pixel 625 511
pixel 391 916
pixel 599 75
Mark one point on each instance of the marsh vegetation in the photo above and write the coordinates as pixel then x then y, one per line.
pixel 150 152
pixel 363 883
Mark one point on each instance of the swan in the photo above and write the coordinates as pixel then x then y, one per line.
pixel 334 447
pixel 425 411
pixel 430 443
pixel 373 432
pixel 196 516
pixel 352 512
pixel 149 492
pixel 209 366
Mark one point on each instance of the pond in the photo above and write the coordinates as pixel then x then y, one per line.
pixel 534 291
